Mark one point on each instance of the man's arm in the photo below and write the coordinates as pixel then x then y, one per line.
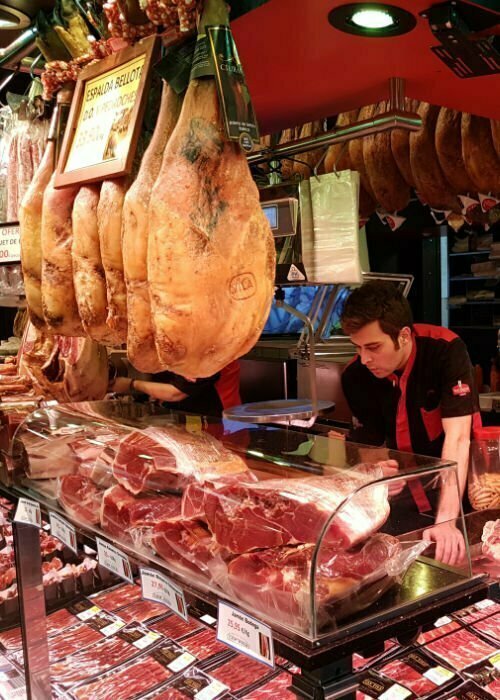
pixel 156 390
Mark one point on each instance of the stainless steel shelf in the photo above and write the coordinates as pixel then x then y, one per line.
pixel 470 252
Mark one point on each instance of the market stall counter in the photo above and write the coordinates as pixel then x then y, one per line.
pixel 307 534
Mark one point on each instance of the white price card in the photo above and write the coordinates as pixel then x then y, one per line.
pixel 439 675
pixel 65 533
pixel 245 634
pixel 10 251
pixel 160 589
pixel 443 621
pixel 486 603
pixel 395 692
pixel 495 661
pixel 28 512
pixel 112 559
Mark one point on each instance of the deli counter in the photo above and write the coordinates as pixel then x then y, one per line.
pixel 312 536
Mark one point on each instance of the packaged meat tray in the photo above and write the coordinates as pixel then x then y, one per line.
pixel 490 627
pixel 441 627
pixel 239 672
pixel 142 611
pixel 68 642
pixel 106 654
pixel 478 611
pixel 470 691
pixel 12 681
pixel 372 687
pixel 360 662
pixel 175 627
pixel 195 684
pixel 417 672
pixel 117 597
pixel 276 687
pixel 134 679
pixel 486 673
pixel 203 644
pixel 461 649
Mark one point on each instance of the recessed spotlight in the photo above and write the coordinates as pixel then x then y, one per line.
pixel 372 19
pixel 10 18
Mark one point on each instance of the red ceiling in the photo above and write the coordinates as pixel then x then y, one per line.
pixel 300 68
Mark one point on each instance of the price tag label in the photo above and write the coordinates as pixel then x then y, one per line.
pixel 112 559
pixel 395 692
pixel 213 690
pixel 160 589
pixel 28 512
pixel 495 661
pixel 10 250
pixel 443 621
pixel 208 620
pixel 89 613
pixel 439 675
pixel 182 662
pixel 245 634
pixel 113 628
pixel 486 603
pixel 64 532
pixel 146 641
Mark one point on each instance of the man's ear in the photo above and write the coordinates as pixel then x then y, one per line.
pixel 405 335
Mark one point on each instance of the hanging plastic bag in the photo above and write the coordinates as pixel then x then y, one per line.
pixel 330 228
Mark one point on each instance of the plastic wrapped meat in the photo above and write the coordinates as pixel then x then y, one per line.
pixel 276 581
pixel 169 458
pixel 478 611
pixel 192 684
pixel 123 515
pixel 203 644
pixel 437 632
pixel 117 597
pixel 68 642
pixel 277 687
pixel 409 671
pixel 48 457
pixel 190 543
pixel 142 611
pixel 491 539
pixel 490 626
pixel 175 627
pixel 461 649
pixel 239 672
pixel 275 512
pixel 95 456
pixel 81 498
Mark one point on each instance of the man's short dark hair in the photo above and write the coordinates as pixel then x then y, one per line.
pixel 377 300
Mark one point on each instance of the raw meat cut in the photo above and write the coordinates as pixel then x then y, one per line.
pixel 277 581
pixel 275 689
pixel 190 543
pixel 390 189
pixel 400 146
pixel 81 498
pixel 30 226
pixel 123 515
pixel 461 649
pixel 109 225
pixel 88 271
pixel 401 671
pixel 95 454
pixel 491 539
pixel 91 661
pixel 489 626
pixel 356 151
pixel 239 672
pixel 58 292
pixel 141 348
pixel 169 458
pixel 203 644
pixel 142 611
pixel 130 681
pixel 175 627
pixel 481 161
pixel 211 254
pixel 275 512
pixel 429 179
pixel 117 597
pixel 449 151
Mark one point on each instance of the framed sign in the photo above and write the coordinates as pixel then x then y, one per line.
pixel 106 115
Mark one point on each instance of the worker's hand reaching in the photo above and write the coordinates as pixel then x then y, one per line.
pixel 390 467
pixel 450 543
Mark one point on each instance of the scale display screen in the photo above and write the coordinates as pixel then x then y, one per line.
pixel 272 215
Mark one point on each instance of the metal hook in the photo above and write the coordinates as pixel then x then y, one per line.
pixel 319 164
pixel 5 83
pixel 34 64
pixel 341 153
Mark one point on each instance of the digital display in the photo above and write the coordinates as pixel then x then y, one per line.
pixel 272 215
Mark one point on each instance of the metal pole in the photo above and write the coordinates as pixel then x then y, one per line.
pixel 32 610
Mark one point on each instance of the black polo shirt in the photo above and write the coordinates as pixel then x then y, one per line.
pixel 405 410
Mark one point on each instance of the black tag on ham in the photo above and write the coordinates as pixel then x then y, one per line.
pixel 372 686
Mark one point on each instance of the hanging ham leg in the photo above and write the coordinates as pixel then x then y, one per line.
pixel 211 256
pixel 30 224
pixel 88 272
pixel 495 133
pixel 58 293
pixel 449 151
pixel 141 348
pixel 109 224
pixel 481 161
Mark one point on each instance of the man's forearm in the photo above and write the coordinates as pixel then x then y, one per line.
pixel 455 450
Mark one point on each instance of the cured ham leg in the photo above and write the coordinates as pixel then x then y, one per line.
pixel 58 293
pixel 30 224
pixel 481 161
pixel 211 255
pixel 88 272
pixel 109 224
pixel 141 348
pixel 449 151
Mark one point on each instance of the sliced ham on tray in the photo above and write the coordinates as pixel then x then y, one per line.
pixel 142 611
pixel 91 661
pixel 80 498
pixel 203 644
pixel 117 597
pixel 239 672
pixel 489 626
pixel 461 649
pixel 277 687
pixel 175 627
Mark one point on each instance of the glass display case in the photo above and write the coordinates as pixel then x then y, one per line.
pixel 313 535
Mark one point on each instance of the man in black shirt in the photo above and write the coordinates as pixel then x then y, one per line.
pixel 411 388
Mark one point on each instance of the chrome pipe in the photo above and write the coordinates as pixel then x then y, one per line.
pixel 19 48
pixel 395 119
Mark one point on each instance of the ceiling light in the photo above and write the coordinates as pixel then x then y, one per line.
pixel 10 18
pixel 372 19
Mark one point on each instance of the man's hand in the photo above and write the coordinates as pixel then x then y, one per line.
pixel 390 467
pixel 450 543
pixel 336 434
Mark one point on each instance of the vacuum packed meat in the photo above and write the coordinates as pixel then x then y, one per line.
pixel 203 644
pixel 489 626
pixel 239 672
pixel 175 627
pixel 461 649
pixel 407 673
pixel 277 687
pixel 117 597
pixel 277 512
pixel 91 661
pixel 169 458
pixel 491 539
pixel 437 632
pixel 211 254
pixel 142 611
pixel 478 611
